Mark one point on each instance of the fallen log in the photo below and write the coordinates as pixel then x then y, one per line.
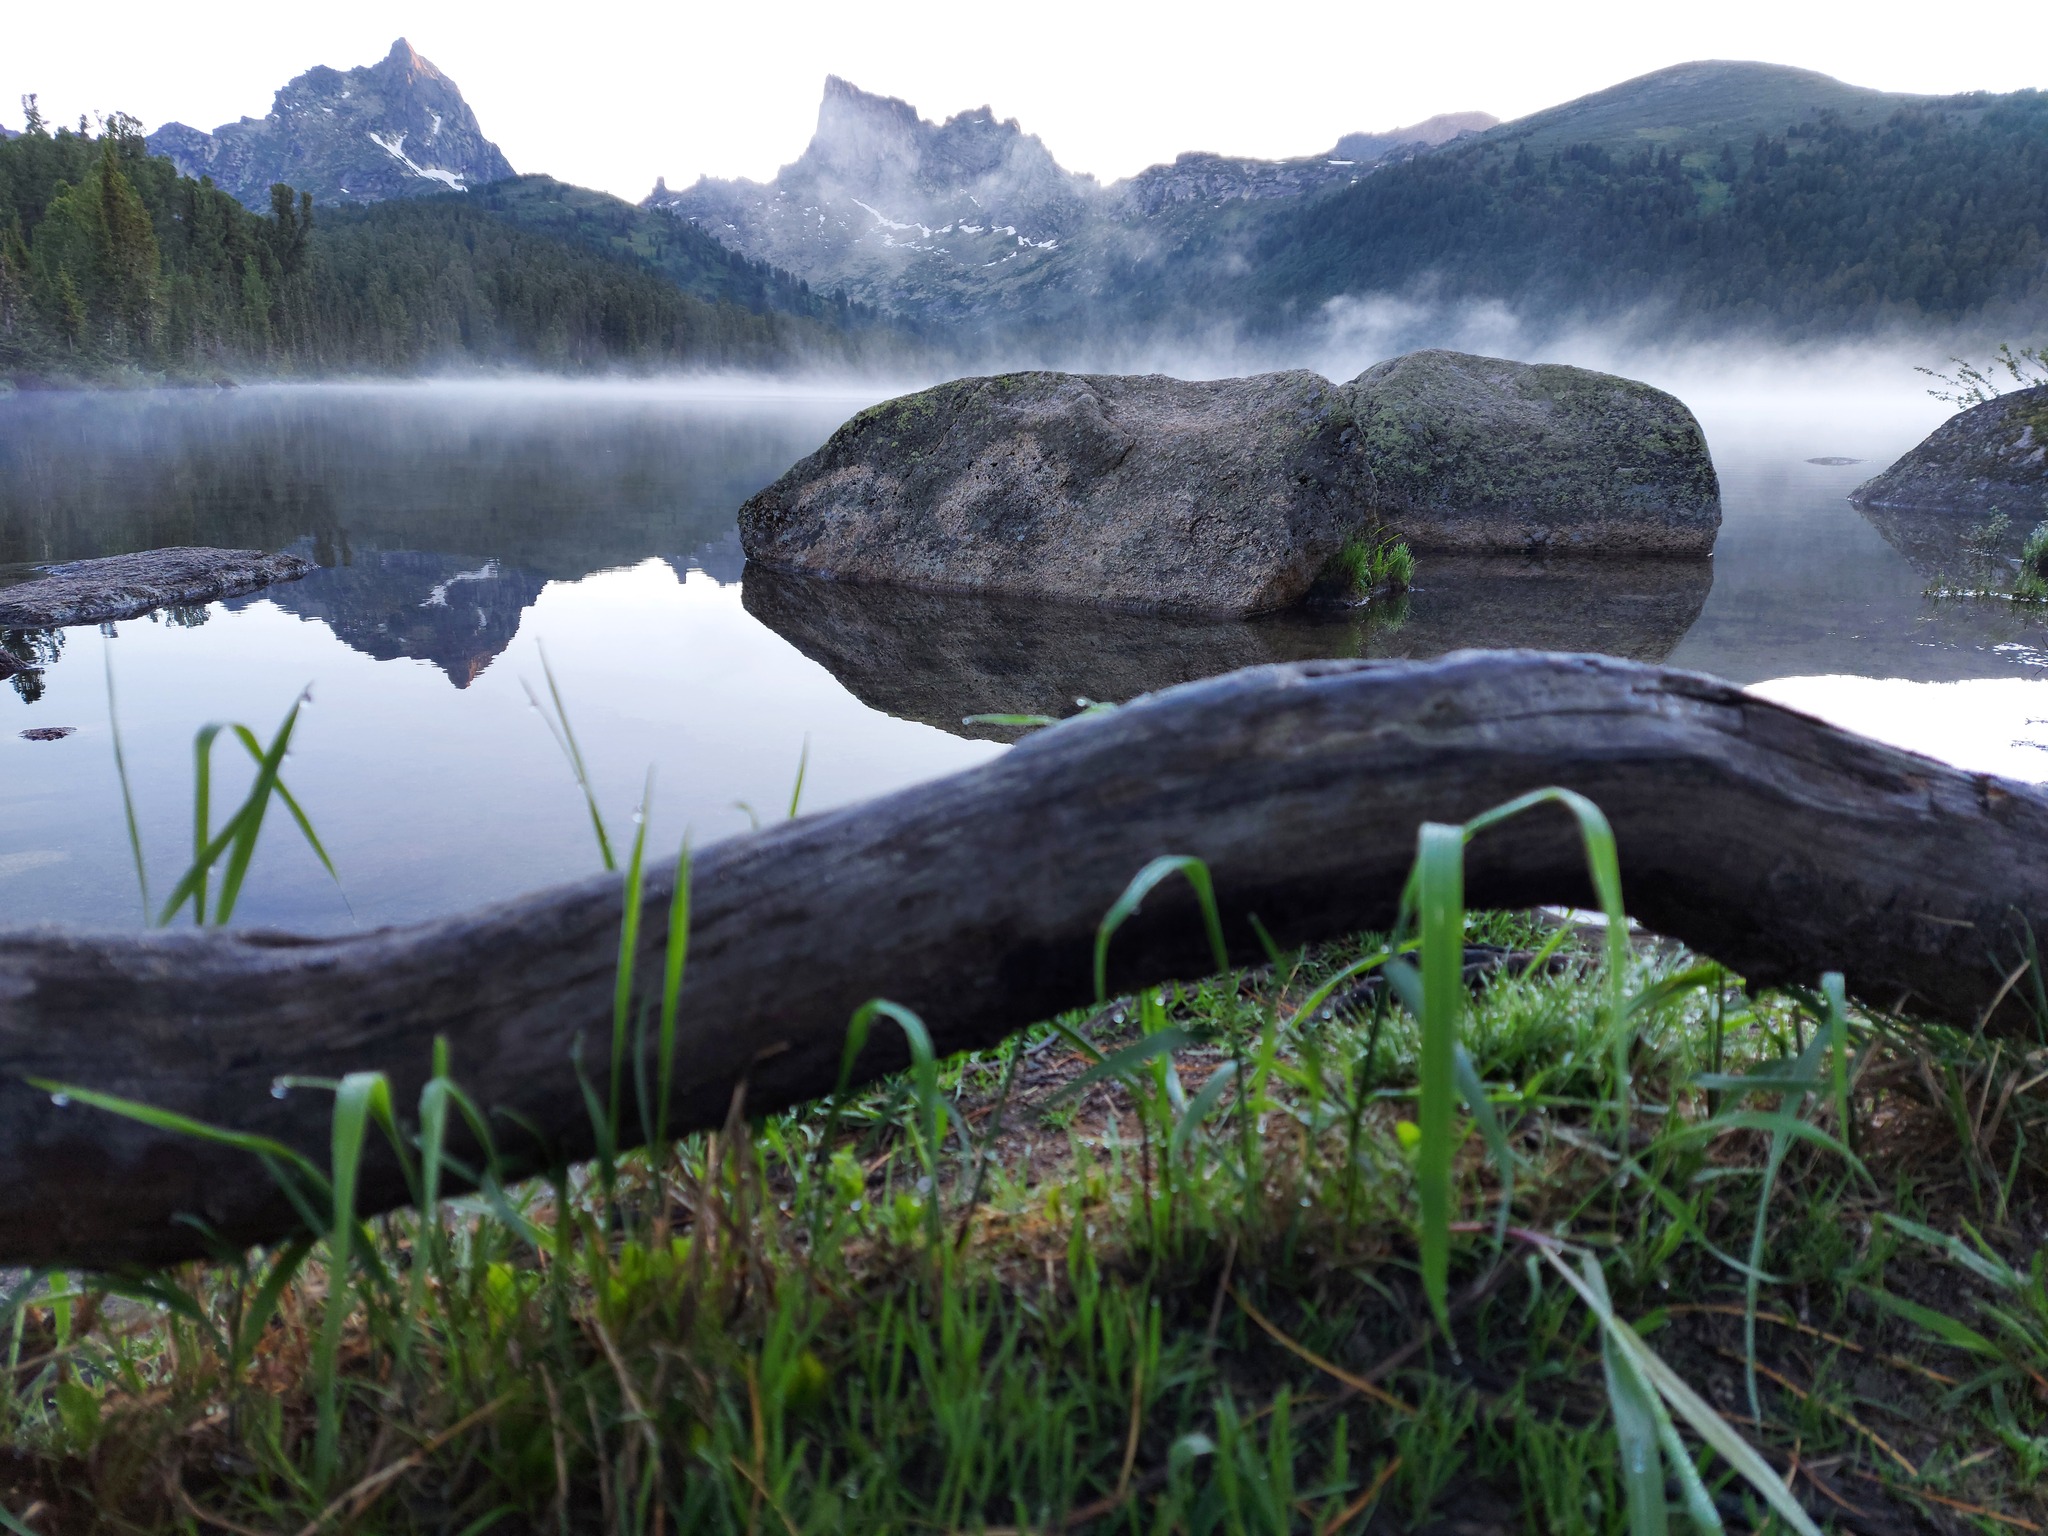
pixel 129 586
pixel 1757 835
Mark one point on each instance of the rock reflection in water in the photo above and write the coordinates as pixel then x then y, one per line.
pixel 1964 553
pixel 938 657
pixel 1958 546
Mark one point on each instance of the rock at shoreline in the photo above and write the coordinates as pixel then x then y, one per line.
pixel 1235 497
pixel 1479 454
pixel 1221 498
pixel 1990 458
pixel 129 586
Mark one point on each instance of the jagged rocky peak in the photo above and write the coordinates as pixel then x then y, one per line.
pixel 875 169
pixel 971 217
pixel 396 128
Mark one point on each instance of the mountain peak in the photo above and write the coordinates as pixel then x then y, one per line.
pixel 396 128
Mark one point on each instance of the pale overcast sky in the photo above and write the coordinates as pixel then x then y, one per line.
pixel 613 94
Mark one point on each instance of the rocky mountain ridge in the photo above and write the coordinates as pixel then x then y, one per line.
pixel 396 128
pixel 966 218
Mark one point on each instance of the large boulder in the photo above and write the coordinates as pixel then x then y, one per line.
pixel 1480 454
pixel 128 586
pixel 1226 497
pixel 1991 458
pixel 1236 496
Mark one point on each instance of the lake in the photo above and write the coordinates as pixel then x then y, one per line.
pixel 463 531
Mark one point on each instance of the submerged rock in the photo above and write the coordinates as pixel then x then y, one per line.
pixel 128 586
pixel 1235 497
pixel 1224 498
pixel 1991 458
pixel 1481 454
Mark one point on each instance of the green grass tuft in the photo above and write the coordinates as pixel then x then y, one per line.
pixel 1365 566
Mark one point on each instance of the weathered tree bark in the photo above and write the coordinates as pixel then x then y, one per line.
pixel 1759 836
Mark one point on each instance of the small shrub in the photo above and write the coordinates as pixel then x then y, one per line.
pixel 1365 566
pixel 2031 584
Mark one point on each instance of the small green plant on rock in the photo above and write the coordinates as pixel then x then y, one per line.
pixel 2031 584
pixel 1365 566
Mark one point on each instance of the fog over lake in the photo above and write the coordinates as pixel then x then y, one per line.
pixel 461 528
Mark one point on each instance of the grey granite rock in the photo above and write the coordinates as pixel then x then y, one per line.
pixel 128 586
pixel 1483 454
pixel 1229 497
pixel 1233 497
pixel 1990 458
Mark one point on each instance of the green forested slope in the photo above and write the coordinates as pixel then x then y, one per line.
pixel 676 248
pixel 112 263
pixel 1929 213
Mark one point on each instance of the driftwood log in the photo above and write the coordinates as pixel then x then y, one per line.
pixel 129 586
pixel 1757 835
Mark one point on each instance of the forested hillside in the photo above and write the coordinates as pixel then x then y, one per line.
pixel 1936 213
pixel 676 248
pixel 112 263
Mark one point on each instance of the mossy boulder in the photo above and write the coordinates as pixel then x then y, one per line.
pixel 1235 496
pixel 1991 458
pixel 1480 454
pixel 1226 497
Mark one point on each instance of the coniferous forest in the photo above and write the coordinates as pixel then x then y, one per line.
pixel 1936 216
pixel 113 264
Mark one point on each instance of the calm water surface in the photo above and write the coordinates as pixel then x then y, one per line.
pixel 461 529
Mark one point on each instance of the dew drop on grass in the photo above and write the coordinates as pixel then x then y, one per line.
pixel 1117 1016
pixel 61 1100
pixel 279 1088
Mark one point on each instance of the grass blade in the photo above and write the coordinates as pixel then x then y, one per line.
pixel 803 763
pixel 284 1268
pixel 629 949
pixel 182 1125
pixel 673 960
pixel 924 1078
pixel 1716 1431
pixel 127 796
pixel 1126 1061
pixel 1142 884
pixel 359 1098
pixel 1474 1090
pixel 291 804
pixel 248 822
pixel 1440 865
pixel 202 810
pixel 565 738
pixel 1201 1107
pixel 1632 1404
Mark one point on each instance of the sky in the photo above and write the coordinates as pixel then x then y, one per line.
pixel 611 95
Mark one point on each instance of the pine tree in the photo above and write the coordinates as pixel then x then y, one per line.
pixel 70 309
pixel 129 263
